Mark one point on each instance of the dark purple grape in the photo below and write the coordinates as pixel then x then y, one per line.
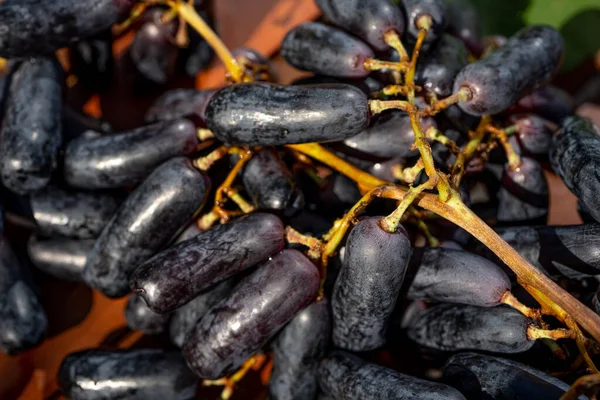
pixel 76 123
pixel 437 70
pixel 548 102
pixel 31 132
pixel 524 63
pixel 456 276
pixel 368 285
pixel 523 197
pixel 181 272
pixel 367 19
pixel 270 184
pixel 142 374
pixel 124 159
pixel 31 30
pixel 453 327
pixel 367 85
pixel 265 114
pixel 389 136
pixel 76 214
pixel 297 351
pixel 150 217
pixel 22 318
pixel 534 135
pixel 60 257
pixel 464 23
pixel 596 301
pixel 188 233
pixel 260 305
pixel 141 318
pixel 325 50
pixel 92 61
pixel 152 51
pixel 575 158
pixel 571 251
pixel 185 317
pixel 179 103
pixel 345 376
pixel 479 376
pixel 416 9
pixel 250 55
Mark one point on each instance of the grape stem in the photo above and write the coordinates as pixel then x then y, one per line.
pixel 589 384
pixel 514 160
pixel 471 147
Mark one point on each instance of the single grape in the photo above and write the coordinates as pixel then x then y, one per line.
pixel 265 114
pixel 367 19
pixel 260 305
pixel 270 184
pixel 345 376
pixel 456 276
pixel 150 217
pixel 453 327
pixel 574 157
pixel 178 103
pixel 368 285
pixel 124 159
pixel 465 23
pixel 31 30
pixel 325 50
pixel 437 70
pixel 524 63
pixel 92 61
pixel 181 272
pixel 60 257
pixel 140 317
pixel 534 135
pixel 142 374
pixel 75 214
pixel 185 317
pixel 416 9
pixel 31 132
pixel 523 197
pixel 548 102
pixel 479 376
pixel 297 351
pixel 389 136
pixel 23 321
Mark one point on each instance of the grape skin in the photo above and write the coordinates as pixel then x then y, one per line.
pixel 178 103
pixel 464 23
pixel 534 135
pixel 415 9
pixel 139 316
pixel 60 257
pixel 260 305
pixel 548 102
pixel 150 217
pixel 179 273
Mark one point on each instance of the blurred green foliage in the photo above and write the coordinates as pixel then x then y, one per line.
pixel 577 20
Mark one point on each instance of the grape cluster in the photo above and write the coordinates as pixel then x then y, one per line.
pixel 253 224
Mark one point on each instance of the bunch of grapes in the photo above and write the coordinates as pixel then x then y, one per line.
pixel 333 233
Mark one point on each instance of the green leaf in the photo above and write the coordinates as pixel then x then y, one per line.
pixel 556 12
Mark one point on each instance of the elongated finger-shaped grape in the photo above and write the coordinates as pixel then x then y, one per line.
pixel 534 135
pixel 575 158
pixel 72 213
pixel 255 310
pixel 60 257
pixel 265 114
pixel 367 19
pixel 179 103
pixel 152 214
pixel 141 318
pixel 415 9
pixel 31 30
pixel 454 327
pixel 31 134
pixel 92 61
pixel 185 317
pixel 465 23
pixel 436 72
pixel 368 285
pixel 389 136
pixel 325 50
pixel 345 376
pixel 22 318
pixel 270 183
pixel 125 159
pixel 481 376
pixel 179 273
pixel 456 276
pixel 549 102
pixel 143 374
pixel 523 197
pixel 524 63
pixel 297 351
